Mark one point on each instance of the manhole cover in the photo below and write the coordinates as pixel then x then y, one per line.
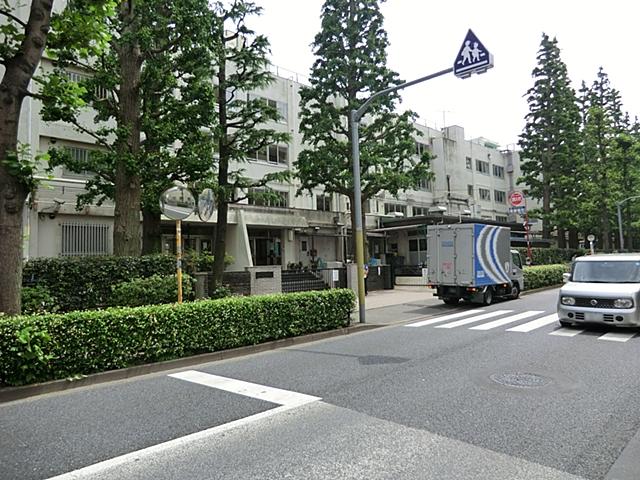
pixel 525 380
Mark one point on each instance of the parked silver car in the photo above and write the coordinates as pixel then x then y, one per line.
pixel 602 289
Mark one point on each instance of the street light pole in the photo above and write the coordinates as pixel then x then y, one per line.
pixel 354 117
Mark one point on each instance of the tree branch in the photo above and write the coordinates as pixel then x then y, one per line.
pixel 14 18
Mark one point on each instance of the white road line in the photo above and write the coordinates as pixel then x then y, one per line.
pixel 506 320
pixel 537 323
pixel 466 321
pixel 444 317
pixel 91 471
pixel 287 399
pixel 617 336
pixel 566 332
pixel 253 390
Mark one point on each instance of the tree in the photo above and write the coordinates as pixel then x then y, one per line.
pixel 550 141
pixel 22 44
pixel 603 140
pixel 146 90
pixel 240 67
pixel 350 66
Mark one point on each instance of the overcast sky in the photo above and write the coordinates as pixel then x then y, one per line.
pixel 425 37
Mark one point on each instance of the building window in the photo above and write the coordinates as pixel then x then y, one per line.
pixel 395 208
pixel 421 149
pixel 78 155
pixel 498 171
pixel 281 107
pixel 81 239
pixel 500 196
pixel 425 184
pixel 417 244
pixel 420 211
pixel 323 203
pixel 470 190
pixel 485 194
pixel 100 92
pixel 276 154
pixel 501 218
pixel 468 161
pixel 277 199
pixel 482 167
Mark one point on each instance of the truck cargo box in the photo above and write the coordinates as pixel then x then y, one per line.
pixel 468 254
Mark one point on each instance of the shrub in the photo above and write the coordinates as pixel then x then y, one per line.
pixel 85 342
pixel 85 282
pixel 539 276
pixel 551 256
pixel 38 300
pixel 152 290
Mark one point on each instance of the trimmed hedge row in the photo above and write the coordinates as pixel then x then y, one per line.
pixel 539 276
pixel 551 256
pixel 79 283
pixel 46 347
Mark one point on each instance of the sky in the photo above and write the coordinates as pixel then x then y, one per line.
pixel 425 37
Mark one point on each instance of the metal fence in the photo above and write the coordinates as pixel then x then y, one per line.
pixel 85 239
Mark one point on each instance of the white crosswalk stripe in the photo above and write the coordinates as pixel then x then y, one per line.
pixel 504 321
pixel 466 317
pixel 617 336
pixel 566 332
pixel 535 324
pixel 466 321
pixel 431 321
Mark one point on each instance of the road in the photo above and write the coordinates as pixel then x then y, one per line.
pixel 440 393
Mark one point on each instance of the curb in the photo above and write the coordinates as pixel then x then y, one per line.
pixel 541 289
pixel 10 394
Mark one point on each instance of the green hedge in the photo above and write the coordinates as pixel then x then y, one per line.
pixel 153 290
pixel 551 256
pixel 543 275
pixel 54 346
pixel 79 283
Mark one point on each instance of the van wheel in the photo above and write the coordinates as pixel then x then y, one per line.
pixel 488 296
pixel 515 291
pixel 451 301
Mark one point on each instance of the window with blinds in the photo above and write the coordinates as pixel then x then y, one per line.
pixel 84 239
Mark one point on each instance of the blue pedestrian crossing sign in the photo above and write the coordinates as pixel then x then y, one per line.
pixel 473 57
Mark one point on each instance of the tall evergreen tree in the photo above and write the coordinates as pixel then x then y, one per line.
pixel 22 44
pixel 550 140
pixel 350 65
pixel 240 66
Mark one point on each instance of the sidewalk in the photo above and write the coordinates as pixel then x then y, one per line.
pixel 400 295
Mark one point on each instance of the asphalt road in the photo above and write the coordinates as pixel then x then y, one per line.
pixel 441 393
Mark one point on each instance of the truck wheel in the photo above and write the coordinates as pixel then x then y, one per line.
pixel 451 301
pixel 515 291
pixel 488 296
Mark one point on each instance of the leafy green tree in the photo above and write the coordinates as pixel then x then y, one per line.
pixel 350 65
pixel 145 91
pixel 240 66
pixel 22 43
pixel 550 141
pixel 603 141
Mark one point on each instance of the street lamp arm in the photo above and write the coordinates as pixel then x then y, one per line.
pixel 359 112
pixel 627 199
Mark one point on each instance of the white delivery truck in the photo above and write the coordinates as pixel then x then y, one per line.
pixel 473 262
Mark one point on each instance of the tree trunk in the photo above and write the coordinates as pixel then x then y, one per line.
pixel 126 232
pixel 151 232
pixel 562 240
pixel 13 189
pixel 546 208
pixel 606 231
pixel 573 238
pixel 224 196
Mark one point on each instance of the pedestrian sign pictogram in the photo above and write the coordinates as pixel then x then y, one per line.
pixel 473 57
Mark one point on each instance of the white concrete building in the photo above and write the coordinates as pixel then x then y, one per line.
pixel 472 178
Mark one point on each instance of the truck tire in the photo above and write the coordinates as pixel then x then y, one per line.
pixel 487 298
pixel 451 300
pixel 515 291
